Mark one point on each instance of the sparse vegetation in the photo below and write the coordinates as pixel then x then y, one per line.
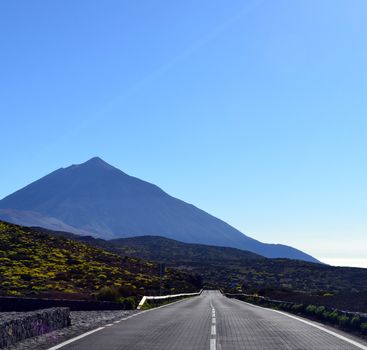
pixel 232 269
pixel 40 264
pixel 235 270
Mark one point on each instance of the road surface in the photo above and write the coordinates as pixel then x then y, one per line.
pixel 213 322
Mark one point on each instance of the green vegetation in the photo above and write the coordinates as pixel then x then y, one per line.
pixel 117 294
pixel 297 308
pixel 40 264
pixel 355 322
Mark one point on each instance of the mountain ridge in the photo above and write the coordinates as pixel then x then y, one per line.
pixel 98 199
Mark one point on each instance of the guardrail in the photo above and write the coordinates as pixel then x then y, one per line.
pixel 146 297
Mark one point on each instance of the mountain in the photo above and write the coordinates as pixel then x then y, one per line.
pixel 43 264
pixel 98 199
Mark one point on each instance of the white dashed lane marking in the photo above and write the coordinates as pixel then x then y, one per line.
pixel 213 329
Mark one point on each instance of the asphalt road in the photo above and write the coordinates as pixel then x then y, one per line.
pixel 213 322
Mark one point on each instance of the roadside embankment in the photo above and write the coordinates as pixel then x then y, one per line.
pixel 351 321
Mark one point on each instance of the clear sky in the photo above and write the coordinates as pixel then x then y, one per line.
pixel 255 111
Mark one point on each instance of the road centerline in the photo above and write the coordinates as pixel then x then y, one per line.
pixel 213 329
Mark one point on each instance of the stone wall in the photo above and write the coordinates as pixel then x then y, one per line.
pixel 18 326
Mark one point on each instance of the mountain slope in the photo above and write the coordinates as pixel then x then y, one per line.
pixel 98 199
pixel 172 252
pixel 37 263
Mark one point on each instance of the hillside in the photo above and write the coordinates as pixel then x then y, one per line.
pixel 95 198
pixel 39 264
pixel 232 268
pixel 170 251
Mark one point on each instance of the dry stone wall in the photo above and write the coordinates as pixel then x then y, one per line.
pixel 18 326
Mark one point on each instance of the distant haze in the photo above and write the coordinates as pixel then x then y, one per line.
pixel 345 262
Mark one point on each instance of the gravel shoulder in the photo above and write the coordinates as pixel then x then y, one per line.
pixel 81 322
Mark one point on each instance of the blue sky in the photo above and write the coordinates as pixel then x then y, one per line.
pixel 254 111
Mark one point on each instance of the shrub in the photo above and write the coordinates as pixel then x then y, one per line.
pixel 288 306
pixel 363 327
pixel 297 307
pixel 325 315
pixel 147 305
pixel 130 302
pixel 319 310
pixel 126 291
pixel 343 320
pixel 108 294
pixel 355 322
pixel 311 309
pixel 333 316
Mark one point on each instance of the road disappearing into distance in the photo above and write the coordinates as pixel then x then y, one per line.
pixel 212 321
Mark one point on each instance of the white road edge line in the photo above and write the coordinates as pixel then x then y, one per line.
pixel 213 344
pixel 100 328
pixel 76 338
pixel 350 341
